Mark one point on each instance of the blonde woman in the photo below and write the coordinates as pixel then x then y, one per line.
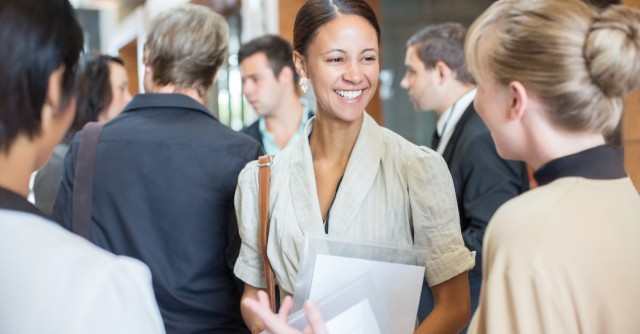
pixel 551 79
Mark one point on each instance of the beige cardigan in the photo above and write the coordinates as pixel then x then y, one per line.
pixel 562 259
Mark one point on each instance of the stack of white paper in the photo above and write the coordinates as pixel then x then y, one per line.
pixel 395 274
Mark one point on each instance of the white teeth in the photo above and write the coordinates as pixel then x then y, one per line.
pixel 349 94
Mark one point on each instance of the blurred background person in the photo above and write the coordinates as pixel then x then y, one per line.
pixel 102 93
pixel 269 84
pixel 165 176
pixel 52 281
pixel 560 258
pixel 437 80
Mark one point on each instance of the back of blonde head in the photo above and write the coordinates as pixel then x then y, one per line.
pixel 187 46
pixel 578 60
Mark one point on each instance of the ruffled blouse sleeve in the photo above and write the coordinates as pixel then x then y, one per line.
pixel 249 267
pixel 434 216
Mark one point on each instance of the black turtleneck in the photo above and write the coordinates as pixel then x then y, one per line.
pixel 599 163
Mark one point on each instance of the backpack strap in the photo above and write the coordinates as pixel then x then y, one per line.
pixel 83 178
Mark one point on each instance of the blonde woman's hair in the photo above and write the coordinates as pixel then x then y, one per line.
pixel 578 60
pixel 186 47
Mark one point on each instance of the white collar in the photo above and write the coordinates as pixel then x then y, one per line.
pixel 449 119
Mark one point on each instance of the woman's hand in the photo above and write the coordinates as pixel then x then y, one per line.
pixel 278 323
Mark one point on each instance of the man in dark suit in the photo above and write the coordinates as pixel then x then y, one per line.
pixel 269 82
pixel 165 176
pixel 437 80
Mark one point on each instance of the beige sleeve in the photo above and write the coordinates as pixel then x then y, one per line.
pixel 249 266
pixel 434 215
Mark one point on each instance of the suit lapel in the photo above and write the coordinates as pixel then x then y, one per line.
pixel 457 133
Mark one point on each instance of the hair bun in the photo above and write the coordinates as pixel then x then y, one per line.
pixel 612 50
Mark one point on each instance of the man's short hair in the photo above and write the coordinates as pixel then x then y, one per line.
pixel 37 38
pixel 443 42
pixel 186 47
pixel 277 50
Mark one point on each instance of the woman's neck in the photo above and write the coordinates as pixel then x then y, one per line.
pixel 332 141
pixel 563 144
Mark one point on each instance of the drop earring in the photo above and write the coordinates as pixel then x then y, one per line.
pixel 304 84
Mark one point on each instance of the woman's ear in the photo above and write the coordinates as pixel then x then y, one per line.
pixel 57 114
pixel 299 62
pixel 518 99
pixel 53 96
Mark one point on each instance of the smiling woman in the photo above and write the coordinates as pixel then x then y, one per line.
pixel 342 65
pixel 350 177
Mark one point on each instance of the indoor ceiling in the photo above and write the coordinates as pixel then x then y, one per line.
pixel 103 4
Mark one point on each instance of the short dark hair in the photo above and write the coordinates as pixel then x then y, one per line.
pixel 277 50
pixel 443 42
pixel 316 13
pixel 94 89
pixel 37 37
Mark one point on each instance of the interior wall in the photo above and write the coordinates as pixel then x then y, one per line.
pixel 129 54
pixel 90 22
pixel 631 126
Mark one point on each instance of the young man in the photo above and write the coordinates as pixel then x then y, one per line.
pixel 52 281
pixel 269 84
pixel 165 177
pixel 437 80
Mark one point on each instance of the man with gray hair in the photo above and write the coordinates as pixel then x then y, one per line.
pixel 165 176
pixel 437 80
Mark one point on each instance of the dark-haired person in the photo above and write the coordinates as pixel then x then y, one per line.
pixel 349 177
pixel 52 281
pixel 269 82
pixel 561 258
pixel 437 81
pixel 103 92
pixel 165 177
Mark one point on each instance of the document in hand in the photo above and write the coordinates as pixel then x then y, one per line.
pixel 356 308
pixel 329 264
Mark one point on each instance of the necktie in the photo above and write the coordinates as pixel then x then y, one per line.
pixel 435 140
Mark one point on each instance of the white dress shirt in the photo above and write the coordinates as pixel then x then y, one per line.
pixel 449 119
pixel 390 187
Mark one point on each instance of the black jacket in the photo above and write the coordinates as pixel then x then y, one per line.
pixel 483 182
pixel 164 183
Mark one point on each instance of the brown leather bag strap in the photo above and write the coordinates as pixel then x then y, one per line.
pixel 83 178
pixel 264 179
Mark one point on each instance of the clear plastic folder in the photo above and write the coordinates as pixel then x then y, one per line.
pixel 329 264
pixel 356 308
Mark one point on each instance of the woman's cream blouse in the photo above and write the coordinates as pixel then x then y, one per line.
pixel 392 192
